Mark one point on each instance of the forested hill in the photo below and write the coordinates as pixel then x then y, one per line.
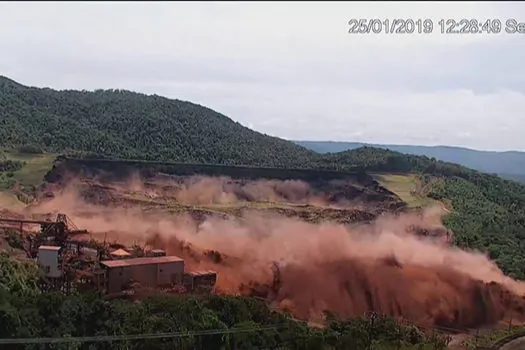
pixel 509 164
pixel 124 124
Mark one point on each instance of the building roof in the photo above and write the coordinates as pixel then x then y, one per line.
pixel 49 247
pixel 141 261
pixel 120 252
pixel 201 273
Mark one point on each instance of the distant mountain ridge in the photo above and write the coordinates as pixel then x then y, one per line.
pixel 509 164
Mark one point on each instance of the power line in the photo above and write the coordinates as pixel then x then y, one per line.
pixel 181 334
pixel 105 338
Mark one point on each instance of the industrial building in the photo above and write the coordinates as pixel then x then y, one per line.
pixel 68 263
pixel 119 274
pixel 49 261
pixel 147 271
pixel 114 276
pixel 200 281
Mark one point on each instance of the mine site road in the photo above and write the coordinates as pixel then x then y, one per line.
pixel 512 342
pixel 516 344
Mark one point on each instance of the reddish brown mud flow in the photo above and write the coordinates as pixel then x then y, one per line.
pixel 311 268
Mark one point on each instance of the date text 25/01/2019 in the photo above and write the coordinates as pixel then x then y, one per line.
pixel 442 26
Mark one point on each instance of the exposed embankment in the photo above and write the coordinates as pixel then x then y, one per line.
pixel 216 184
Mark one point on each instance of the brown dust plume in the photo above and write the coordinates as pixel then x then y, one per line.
pixel 309 269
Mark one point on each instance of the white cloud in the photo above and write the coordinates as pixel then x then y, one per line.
pixel 288 69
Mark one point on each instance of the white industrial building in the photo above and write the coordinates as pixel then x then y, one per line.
pixel 48 260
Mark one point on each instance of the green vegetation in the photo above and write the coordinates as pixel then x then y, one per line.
pixel 124 124
pixel 34 167
pixel 406 187
pixel 126 167
pixel 506 164
pixel 488 215
pixel 7 169
pixel 6 180
pixel 491 338
pixel 21 174
pixel 14 239
pixel 518 178
pixel 24 313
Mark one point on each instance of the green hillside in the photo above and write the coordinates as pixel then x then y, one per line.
pixel 130 125
pixel 408 187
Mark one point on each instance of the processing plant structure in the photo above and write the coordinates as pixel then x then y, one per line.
pixel 67 262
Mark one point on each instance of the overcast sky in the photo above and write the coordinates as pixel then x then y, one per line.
pixel 288 69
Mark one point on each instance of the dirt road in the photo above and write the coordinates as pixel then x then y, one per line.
pixel 516 344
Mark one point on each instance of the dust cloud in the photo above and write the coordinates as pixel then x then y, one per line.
pixel 309 269
pixel 205 190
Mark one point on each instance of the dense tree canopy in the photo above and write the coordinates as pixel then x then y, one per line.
pixel 7 167
pixel 130 125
